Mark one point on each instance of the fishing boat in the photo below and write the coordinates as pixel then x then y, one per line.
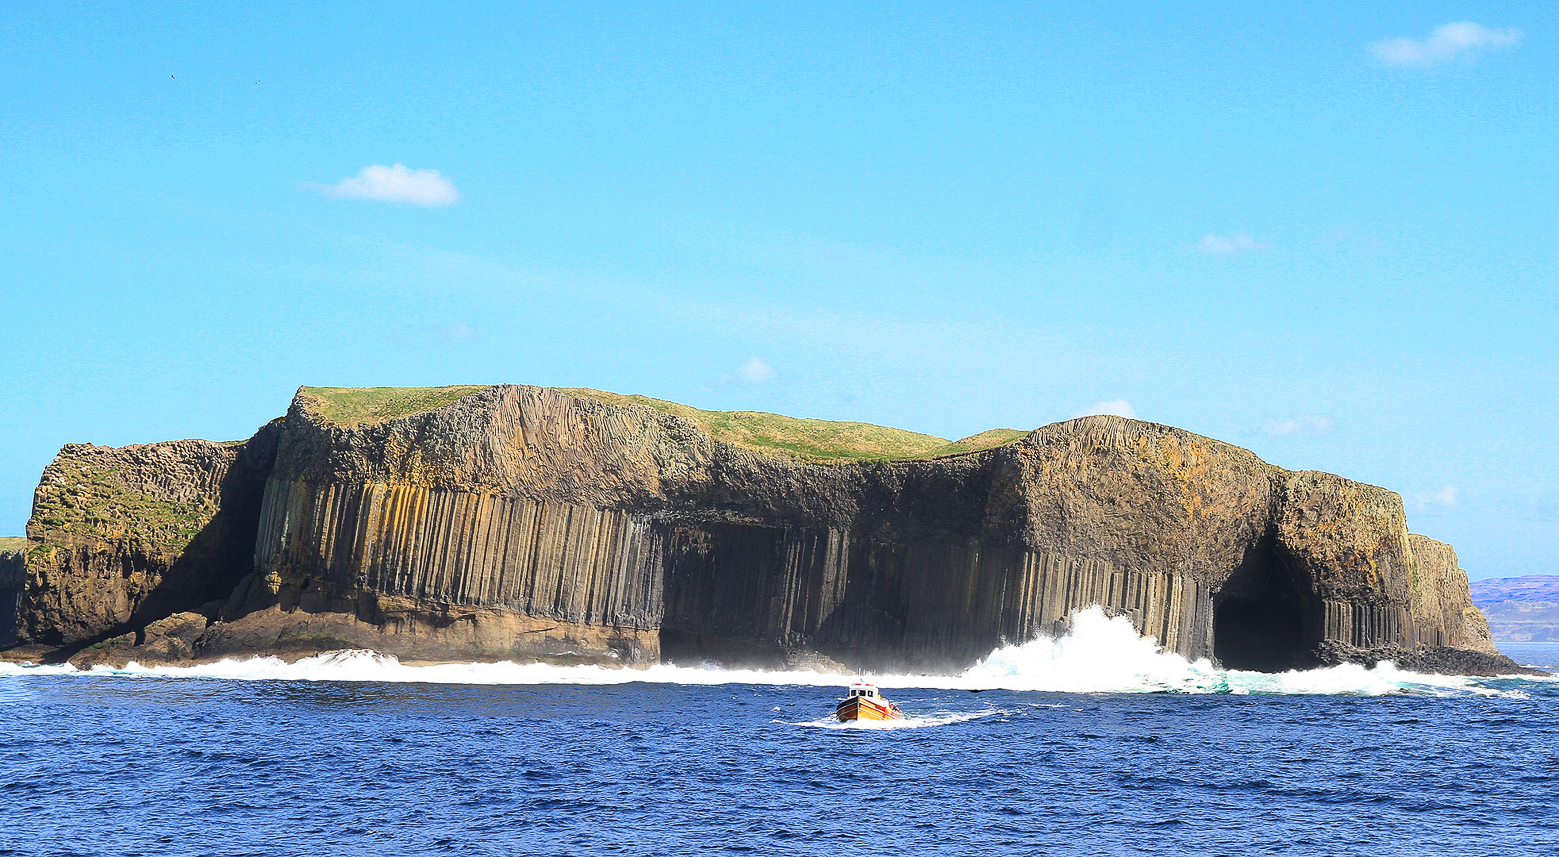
pixel 864 702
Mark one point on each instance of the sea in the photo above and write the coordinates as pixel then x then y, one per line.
pixel 1096 743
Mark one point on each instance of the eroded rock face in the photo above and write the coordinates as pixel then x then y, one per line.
pixel 1442 600
pixel 521 522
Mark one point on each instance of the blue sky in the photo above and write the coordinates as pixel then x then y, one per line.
pixel 1326 234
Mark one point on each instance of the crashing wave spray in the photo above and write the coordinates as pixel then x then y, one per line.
pixel 1105 654
pixel 1099 654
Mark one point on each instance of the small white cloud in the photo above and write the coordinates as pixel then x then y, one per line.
pixel 1230 245
pixel 1436 501
pixel 1114 407
pixel 1299 425
pixel 1457 40
pixel 755 371
pixel 396 183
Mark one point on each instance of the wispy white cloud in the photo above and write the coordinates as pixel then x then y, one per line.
pixel 396 183
pixel 1299 425
pixel 1230 245
pixel 1456 40
pixel 755 370
pixel 1114 407
pixel 1436 501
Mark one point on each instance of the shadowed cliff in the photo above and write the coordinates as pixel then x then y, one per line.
pixel 528 522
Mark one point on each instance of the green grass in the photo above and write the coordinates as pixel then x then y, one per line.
pixel 14 543
pixel 352 407
pixel 988 439
pixel 826 441
pixel 92 500
pixel 823 441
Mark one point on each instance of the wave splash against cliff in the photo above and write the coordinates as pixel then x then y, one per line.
pixel 1100 654
pixel 1103 654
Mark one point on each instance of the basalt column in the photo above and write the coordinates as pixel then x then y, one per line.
pixel 479 573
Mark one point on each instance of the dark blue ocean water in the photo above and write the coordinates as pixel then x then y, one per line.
pixel 119 765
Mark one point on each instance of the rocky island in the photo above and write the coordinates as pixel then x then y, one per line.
pixel 570 525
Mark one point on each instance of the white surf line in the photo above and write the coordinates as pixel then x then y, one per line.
pixel 1100 654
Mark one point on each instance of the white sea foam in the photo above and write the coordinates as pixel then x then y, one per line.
pixel 364 665
pixel 1103 654
pixel 915 722
pixel 1100 654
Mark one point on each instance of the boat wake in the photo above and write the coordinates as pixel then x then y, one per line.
pixel 915 722
pixel 1100 654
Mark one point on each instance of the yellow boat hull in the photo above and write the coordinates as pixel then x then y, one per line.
pixel 862 708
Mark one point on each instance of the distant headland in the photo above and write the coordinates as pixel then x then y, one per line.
pixel 572 525
pixel 1520 609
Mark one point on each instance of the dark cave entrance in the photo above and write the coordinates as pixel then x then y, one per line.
pixel 10 601
pixel 1262 616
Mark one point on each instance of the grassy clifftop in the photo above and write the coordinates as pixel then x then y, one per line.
pixel 357 406
pixel 824 441
pixel 988 439
pixel 14 543
pixel 827 441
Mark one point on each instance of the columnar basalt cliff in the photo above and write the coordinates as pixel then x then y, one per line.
pixel 521 522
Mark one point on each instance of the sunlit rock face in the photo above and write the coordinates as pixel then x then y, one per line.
pixel 525 522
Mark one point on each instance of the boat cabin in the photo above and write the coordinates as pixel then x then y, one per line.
pixel 866 690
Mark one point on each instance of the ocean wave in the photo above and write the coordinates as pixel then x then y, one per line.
pixel 1100 654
